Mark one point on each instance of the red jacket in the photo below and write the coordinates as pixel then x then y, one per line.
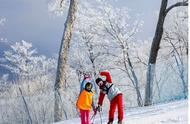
pixel 113 90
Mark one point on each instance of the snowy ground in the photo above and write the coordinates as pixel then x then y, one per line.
pixel 169 113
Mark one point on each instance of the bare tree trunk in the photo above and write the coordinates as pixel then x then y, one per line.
pixel 155 47
pixel 177 53
pixel 153 53
pixel 180 66
pixel 134 80
pixel 62 61
pixel 181 75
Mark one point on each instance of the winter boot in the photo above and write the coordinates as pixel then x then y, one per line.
pixel 119 122
pixel 110 122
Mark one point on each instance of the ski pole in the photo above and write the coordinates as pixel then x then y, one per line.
pixel 92 118
pixel 100 117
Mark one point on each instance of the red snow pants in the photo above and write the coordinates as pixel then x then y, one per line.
pixel 85 116
pixel 116 101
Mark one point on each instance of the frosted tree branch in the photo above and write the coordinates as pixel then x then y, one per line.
pixel 185 3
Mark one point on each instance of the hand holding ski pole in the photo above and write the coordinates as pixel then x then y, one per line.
pixel 95 111
pixel 99 108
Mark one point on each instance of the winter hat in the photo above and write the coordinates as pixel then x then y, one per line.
pixel 106 75
pixel 98 80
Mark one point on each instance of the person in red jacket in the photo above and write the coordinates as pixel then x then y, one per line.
pixel 114 95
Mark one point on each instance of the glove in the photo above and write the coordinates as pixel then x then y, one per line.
pixel 95 111
pixel 99 108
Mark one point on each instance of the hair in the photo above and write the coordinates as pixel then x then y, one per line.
pixel 88 84
pixel 98 80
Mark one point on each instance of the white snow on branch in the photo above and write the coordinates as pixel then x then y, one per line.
pixel 2 21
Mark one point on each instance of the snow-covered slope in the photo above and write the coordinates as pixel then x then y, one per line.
pixel 168 113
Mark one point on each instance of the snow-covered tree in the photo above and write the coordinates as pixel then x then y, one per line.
pixel 63 54
pixel 4 79
pixel 88 46
pixel 34 78
pixel 176 42
pixel 18 60
pixel 25 64
pixel 117 26
pixel 103 33
pixel 2 23
pixel 3 83
pixel 164 10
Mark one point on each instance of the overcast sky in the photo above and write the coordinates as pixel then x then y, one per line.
pixel 29 20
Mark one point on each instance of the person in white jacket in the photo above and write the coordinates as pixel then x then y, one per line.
pixel 114 95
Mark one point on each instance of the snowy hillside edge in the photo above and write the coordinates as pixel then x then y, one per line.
pixel 168 113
